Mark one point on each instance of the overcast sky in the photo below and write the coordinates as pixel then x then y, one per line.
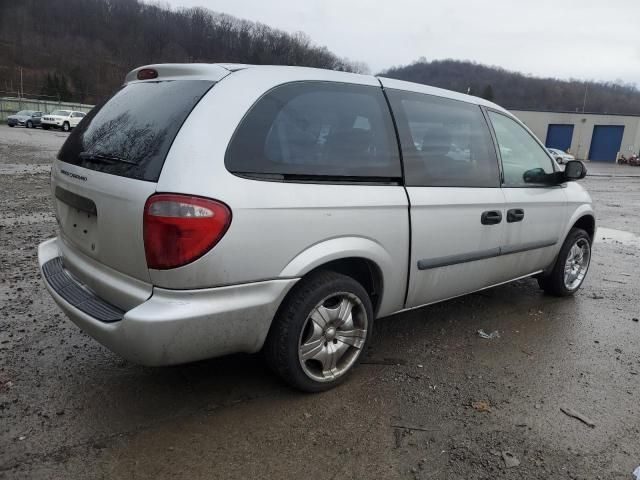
pixel 585 39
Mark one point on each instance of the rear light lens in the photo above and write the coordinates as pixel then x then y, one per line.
pixel 147 74
pixel 179 229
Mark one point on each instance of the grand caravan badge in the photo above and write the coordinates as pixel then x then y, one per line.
pixel 73 175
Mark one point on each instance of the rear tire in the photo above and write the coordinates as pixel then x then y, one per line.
pixel 320 331
pixel 66 127
pixel 11 125
pixel 571 267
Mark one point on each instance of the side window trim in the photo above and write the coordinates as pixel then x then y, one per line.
pixel 486 111
pixel 320 179
pixel 494 139
pixel 397 134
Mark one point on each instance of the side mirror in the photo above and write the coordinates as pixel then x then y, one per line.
pixel 535 175
pixel 574 170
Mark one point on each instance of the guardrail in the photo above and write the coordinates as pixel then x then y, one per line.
pixel 11 105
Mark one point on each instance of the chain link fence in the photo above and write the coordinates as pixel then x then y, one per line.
pixel 11 105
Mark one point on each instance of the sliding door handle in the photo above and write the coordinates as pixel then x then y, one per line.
pixel 491 217
pixel 515 215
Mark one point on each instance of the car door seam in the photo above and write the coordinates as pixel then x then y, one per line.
pixel 404 187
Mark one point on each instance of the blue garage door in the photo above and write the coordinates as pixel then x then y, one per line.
pixel 606 142
pixel 559 136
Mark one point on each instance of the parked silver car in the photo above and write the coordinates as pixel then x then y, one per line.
pixel 210 209
pixel 25 118
pixel 560 155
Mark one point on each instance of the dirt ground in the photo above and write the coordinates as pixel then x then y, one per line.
pixel 431 400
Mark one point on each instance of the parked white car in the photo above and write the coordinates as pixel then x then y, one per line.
pixel 561 156
pixel 284 209
pixel 63 119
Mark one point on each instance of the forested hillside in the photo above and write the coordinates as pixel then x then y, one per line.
pixel 517 91
pixel 81 49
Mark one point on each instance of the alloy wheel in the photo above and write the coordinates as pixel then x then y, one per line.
pixel 577 264
pixel 332 337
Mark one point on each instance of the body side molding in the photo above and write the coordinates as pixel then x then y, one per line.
pixel 428 263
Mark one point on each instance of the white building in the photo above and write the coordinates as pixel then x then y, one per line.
pixel 588 136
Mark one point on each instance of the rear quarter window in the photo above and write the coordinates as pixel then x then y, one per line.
pixel 131 133
pixel 308 130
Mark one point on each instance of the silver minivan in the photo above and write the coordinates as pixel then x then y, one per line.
pixel 210 209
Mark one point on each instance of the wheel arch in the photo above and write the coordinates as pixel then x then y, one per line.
pixel 363 271
pixel 583 217
pixel 363 259
pixel 587 223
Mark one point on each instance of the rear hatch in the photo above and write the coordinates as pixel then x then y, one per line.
pixel 110 165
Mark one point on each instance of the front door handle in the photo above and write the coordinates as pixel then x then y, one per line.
pixel 491 217
pixel 515 215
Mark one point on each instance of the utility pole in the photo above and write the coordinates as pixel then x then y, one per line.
pixel 584 102
pixel 21 87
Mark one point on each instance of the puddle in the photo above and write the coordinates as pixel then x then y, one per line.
pixel 610 235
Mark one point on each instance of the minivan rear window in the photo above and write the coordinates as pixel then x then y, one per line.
pixel 130 134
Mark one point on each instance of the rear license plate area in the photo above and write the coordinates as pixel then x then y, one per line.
pixel 78 219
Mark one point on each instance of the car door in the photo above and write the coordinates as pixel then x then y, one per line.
pixel 453 184
pixel 75 118
pixel 536 211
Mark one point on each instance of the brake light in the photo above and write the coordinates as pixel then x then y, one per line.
pixel 147 74
pixel 179 229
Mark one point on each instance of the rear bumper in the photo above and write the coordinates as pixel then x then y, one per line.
pixel 177 326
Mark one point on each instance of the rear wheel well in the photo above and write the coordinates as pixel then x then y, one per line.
pixel 363 271
pixel 588 224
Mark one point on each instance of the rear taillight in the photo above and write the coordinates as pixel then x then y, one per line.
pixel 178 229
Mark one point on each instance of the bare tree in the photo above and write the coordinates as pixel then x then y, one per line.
pixel 94 43
pixel 518 91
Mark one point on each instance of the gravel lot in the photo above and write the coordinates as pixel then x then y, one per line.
pixel 431 400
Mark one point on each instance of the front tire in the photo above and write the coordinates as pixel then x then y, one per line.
pixel 29 124
pixel 66 127
pixel 571 266
pixel 45 127
pixel 320 331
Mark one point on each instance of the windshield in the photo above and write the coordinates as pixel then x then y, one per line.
pixel 131 133
pixel 61 113
pixel 25 112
